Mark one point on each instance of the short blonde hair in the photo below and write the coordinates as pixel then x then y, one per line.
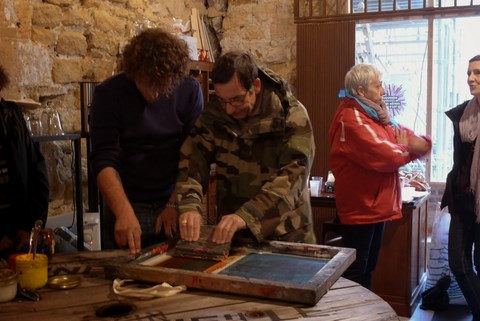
pixel 360 75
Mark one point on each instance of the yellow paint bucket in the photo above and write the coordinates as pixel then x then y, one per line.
pixel 31 274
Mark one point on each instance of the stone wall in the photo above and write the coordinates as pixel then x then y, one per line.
pixel 48 47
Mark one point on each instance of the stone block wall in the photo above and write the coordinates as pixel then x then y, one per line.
pixel 49 46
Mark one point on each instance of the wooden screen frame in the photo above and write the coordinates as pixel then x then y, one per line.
pixel 309 293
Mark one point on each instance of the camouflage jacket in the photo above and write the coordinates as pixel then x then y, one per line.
pixel 262 164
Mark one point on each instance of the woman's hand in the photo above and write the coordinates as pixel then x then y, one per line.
pixel 401 135
pixel 418 145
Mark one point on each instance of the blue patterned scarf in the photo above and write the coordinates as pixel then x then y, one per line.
pixel 376 111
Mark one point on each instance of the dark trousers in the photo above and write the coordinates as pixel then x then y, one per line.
pixel 463 237
pixel 146 214
pixel 366 239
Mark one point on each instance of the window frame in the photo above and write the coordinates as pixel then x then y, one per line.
pixel 304 13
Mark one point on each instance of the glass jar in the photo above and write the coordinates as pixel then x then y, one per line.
pixel 36 126
pixel 51 121
pixel 32 273
pixel 8 285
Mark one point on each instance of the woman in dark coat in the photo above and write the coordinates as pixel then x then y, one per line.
pixel 462 193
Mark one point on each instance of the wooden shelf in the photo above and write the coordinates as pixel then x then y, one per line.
pixel 52 138
pixel 200 65
pixel 201 71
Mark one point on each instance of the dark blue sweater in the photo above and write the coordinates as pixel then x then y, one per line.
pixel 141 140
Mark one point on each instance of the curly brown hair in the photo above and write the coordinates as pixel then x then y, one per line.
pixel 4 80
pixel 157 58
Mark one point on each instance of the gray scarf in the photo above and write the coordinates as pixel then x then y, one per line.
pixel 469 128
pixel 381 110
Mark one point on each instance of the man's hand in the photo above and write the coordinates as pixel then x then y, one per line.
pixel 168 219
pixel 127 228
pixel 229 224
pixel 189 223
pixel 128 232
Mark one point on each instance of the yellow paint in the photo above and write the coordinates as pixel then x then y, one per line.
pixel 32 274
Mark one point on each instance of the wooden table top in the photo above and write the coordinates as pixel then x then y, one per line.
pixel 345 300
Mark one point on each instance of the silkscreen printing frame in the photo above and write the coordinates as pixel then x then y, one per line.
pixel 310 292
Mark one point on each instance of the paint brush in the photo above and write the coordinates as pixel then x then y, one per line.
pixel 153 250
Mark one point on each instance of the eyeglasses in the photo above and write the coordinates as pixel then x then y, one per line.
pixel 235 101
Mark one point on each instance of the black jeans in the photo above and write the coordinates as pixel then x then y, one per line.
pixel 146 214
pixel 366 239
pixel 463 236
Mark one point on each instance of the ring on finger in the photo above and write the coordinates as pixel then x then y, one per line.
pixel 184 222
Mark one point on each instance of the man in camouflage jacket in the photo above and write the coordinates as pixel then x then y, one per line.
pixel 260 138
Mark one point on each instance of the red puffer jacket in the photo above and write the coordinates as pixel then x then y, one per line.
pixel 365 159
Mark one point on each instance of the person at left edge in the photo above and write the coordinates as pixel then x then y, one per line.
pixel 24 189
pixel 139 119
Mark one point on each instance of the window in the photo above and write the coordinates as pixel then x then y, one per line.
pixel 452 48
pixel 401 50
pixel 423 48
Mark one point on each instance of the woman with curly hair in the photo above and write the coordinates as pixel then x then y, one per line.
pixel 139 119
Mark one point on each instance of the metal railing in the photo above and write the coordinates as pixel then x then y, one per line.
pixel 308 10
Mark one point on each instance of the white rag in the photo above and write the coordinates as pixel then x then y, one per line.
pixel 158 291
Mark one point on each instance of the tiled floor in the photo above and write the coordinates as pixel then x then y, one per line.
pixel 453 313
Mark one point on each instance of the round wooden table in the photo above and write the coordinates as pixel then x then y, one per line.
pixel 345 300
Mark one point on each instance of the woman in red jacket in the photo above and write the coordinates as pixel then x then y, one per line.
pixel 367 149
